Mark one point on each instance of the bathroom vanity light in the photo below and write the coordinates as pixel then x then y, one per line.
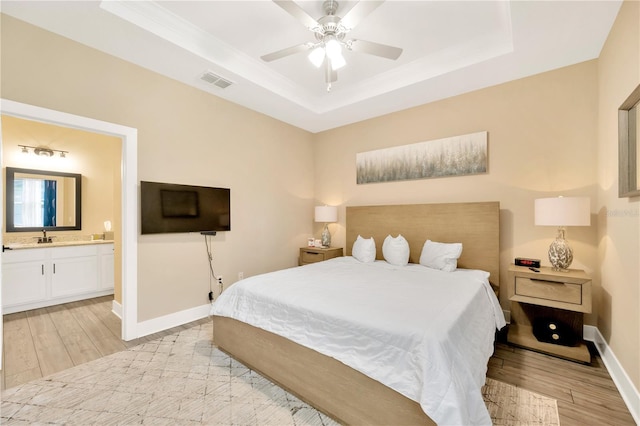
pixel 43 151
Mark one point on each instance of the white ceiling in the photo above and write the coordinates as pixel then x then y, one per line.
pixel 449 48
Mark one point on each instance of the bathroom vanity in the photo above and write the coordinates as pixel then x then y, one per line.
pixel 38 275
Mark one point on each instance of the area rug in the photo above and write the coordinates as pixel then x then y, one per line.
pixel 509 405
pixel 183 379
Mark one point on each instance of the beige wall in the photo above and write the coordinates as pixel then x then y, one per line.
pixel 96 157
pixel 618 218
pixel 185 136
pixel 542 142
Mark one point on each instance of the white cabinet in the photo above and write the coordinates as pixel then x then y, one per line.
pixel 107 268
pixel 23 281
pixel 74 270
pixel 37 277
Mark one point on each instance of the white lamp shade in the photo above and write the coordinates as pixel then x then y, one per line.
pixel 326 214
pixel 337 62
pixel 334 53
pixel 317 56
pixel 333 47
pixel 563 211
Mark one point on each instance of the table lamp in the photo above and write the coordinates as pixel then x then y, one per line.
pixel 562 212
pixel 326 214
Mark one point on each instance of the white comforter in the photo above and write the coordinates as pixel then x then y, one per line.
pixel 425 333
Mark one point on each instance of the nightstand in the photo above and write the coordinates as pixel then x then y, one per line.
pixel 316 254
pixel 560 296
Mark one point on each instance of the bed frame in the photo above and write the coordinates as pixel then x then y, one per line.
pixel 339 391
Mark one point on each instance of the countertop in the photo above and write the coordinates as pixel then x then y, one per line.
pixel 23 246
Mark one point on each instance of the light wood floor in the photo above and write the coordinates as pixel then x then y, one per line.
pixel 586 394
pixel 47 340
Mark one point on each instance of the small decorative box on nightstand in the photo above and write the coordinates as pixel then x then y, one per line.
pixel 315 254
pixel 551 305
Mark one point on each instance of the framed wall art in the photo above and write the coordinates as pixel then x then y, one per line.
pixel 453 156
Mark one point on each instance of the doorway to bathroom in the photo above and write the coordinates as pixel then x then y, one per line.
pixel 128 198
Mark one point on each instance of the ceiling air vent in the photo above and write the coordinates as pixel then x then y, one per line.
pixel 215 79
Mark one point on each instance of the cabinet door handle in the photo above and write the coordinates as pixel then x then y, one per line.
pixel 54 268
pixel 42 268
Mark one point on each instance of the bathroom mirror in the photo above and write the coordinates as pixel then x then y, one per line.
pixel 628 152
pixel 41 199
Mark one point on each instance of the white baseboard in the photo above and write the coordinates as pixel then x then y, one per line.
pixel 625 386
pixel 116 308
pixel 172 320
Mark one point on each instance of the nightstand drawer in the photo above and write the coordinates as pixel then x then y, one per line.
pixel 311 257
pixel 549 290
pixel 314 254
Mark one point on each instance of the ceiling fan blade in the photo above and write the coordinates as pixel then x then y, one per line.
pixel 297 12
pixel 358 13
pixel 373 48
pixel 284 52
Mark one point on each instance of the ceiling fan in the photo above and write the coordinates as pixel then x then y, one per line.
pixel 330 31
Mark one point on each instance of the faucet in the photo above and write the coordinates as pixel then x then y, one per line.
pixel 44 238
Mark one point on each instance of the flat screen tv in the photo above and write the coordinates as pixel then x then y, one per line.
pixel 169 208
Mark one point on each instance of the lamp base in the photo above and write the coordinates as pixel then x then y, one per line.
pixel 326 236
pixel 560 253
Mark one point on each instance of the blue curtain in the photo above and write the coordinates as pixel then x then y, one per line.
pixel 49 215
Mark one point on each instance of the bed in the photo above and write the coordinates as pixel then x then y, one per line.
pixel 413 379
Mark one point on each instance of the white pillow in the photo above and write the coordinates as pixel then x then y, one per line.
pixel 396 250
pixel 364 249
pixel 443 256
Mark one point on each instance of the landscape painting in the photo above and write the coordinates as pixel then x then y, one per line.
pixel 453 156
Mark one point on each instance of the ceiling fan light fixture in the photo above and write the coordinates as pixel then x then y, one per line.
pixel 316 56
pixel 337 61
pixel 330 31
pixel 332 46
pixel 334 53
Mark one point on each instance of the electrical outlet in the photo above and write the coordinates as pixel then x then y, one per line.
pixel 220 280
pixel 240 275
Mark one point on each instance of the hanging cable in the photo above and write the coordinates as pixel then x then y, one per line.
pixel 212 275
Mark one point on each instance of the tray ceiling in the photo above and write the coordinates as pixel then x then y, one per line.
pixel 449 48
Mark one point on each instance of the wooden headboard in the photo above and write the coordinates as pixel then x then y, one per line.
pixel 475 225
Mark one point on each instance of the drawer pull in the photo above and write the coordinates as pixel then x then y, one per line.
pixel 545 281
pixel 313 254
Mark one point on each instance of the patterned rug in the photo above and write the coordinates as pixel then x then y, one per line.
pixel 182 379
pixel 509 405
